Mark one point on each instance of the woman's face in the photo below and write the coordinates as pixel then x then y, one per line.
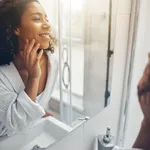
pixel 34 25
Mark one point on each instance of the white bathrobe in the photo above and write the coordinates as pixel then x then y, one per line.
pixel 17 110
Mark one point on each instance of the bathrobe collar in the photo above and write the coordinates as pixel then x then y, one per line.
pixel 12 74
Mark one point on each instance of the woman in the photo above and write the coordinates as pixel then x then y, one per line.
pixel 28 70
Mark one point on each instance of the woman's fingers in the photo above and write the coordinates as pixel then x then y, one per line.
pixel 148 99
pixel 33 53
pixel 144 83
pixel 39 55
pixel 25 47
pixel 144 94
pixel 34 50
pixel 142 99
pixel 30 46
pixel 28 49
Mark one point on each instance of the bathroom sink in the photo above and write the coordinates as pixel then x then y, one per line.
pixel 44 133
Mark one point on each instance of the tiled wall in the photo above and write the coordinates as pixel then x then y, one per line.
pixel 83 137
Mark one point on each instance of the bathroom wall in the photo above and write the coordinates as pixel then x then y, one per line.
pixel 51 10
pixel 83 137
pixel 142 47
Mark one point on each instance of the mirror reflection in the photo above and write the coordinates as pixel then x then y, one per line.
pixel 86 33
pixel 56 61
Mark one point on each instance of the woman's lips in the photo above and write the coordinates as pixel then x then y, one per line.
pixel 45 36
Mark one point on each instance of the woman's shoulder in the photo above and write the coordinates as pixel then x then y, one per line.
pixel 4 82
pixel 3 68
pixel 6 73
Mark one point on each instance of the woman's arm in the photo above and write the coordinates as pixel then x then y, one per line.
pixel 17 111
pixel 32 88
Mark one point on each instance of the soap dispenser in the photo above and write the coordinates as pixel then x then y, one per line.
pixel 106 142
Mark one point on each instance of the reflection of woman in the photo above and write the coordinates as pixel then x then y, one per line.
pixel 143 139
pixel 27 68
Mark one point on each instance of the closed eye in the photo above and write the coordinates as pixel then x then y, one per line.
pixel 37 19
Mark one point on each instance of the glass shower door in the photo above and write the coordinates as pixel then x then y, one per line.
pixel 71 59
pixel 64 61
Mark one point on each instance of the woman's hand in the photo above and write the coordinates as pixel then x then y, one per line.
pixel 144 93
pixel 142 140
pixel 32 59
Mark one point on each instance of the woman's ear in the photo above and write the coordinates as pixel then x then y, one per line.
pixel 17 31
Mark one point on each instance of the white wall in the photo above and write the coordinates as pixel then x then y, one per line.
pixel 142 48
pixel 83 138
pixel 50 7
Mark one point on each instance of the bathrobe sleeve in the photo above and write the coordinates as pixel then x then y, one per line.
pixel 17 111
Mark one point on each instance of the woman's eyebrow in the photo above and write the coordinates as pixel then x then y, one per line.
pixel 38 13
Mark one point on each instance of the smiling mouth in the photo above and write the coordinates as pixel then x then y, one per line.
pixel 45 35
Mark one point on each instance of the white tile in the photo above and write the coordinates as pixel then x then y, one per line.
pixel 98 6
pixel 115 4
pixel 73 141
pixel 124 6
pixel 120 51
pixel 122 31
pixel 101 6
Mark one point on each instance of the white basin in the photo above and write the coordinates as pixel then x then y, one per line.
pixel 44 133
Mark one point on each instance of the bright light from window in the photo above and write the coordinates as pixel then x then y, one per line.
pixel 76 5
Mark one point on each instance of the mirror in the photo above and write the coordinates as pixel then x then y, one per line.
pixel 86 31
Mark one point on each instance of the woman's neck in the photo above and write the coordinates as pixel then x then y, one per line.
pixel 19 62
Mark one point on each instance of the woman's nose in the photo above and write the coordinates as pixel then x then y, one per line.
pixel 46 25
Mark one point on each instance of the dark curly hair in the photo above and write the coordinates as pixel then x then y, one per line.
pixel 11 12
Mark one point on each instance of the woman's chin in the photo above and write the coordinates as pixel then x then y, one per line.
pixel 44 47
pixel 44 44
